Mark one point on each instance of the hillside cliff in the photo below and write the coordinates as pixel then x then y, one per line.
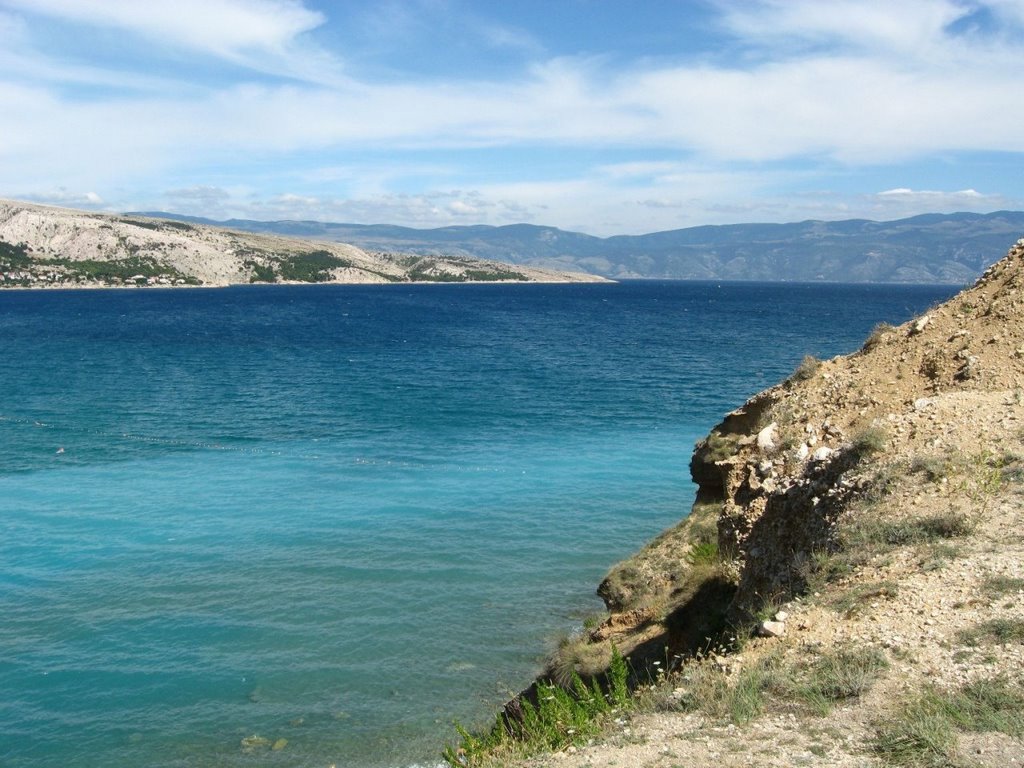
pixel 849 587
pixel 45 247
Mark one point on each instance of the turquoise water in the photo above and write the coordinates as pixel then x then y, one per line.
pixel 340 515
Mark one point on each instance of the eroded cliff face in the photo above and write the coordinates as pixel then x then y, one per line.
pixel 786 466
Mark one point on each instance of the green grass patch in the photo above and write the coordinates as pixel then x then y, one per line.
pixel 703 553
pixel 705 688
pixel 932 467
pixel 559 717
pixel 920 734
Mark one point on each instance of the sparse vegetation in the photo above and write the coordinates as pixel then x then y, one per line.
pixel 721 447
pixel 869 440
pixel 832 678
pixel 922 732
pixel 557 717
pixel 932 467
pixel 994 632
pixel 852 601
pixel 878 334
pixel 997 586
pixel 807 368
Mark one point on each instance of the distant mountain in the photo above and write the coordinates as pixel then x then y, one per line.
pixel 932 248
pixel 48 247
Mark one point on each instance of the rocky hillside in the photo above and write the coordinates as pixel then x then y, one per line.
pixel 41 247
pixel 849 588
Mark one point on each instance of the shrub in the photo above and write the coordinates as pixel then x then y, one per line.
pixel 878 333
pixel 721 447
pixel 869 440
pixel 807 368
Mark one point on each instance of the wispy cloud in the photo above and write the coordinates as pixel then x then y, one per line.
pixel 228 28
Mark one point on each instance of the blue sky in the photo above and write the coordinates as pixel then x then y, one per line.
pixel 600 116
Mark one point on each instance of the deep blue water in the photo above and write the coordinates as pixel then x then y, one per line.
pixel 343 515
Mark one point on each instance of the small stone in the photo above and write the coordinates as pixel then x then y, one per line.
pixel 279 745
pixel 771 629
pixel 822 454
pixel 781 616
pixel 921 323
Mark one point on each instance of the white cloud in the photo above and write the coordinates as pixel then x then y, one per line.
pixel 910 26
pixel 65 197
pixel 264 35
pixel 904 201
pixel 221 27
pixel 906 193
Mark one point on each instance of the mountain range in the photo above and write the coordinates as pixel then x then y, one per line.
pixel 931 248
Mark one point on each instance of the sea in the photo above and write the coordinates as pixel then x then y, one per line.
pixel 341 518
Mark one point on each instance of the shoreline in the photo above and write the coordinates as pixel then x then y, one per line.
pixel 208 286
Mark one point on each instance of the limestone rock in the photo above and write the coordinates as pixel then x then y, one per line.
pixel 822 454
pixel 771 629
pixel 767 436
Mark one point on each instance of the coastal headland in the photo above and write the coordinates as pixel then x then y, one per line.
pixel 849 587
pixel 47 247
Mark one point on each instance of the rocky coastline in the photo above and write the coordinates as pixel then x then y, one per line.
pixel 849 587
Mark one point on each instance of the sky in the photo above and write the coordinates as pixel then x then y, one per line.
pixel 599 116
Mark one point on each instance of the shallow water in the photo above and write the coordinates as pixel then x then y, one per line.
pixel 343 515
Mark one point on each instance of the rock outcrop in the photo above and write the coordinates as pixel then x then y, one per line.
pixel 777 477
pixel 833 421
